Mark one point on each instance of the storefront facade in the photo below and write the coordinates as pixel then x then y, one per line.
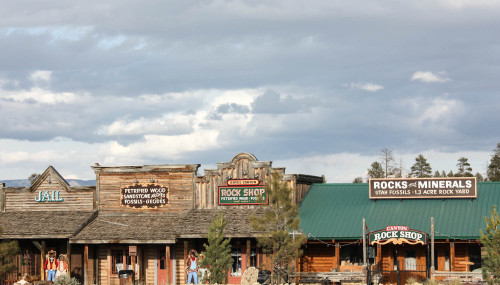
pixel 141 218
pixel 398 226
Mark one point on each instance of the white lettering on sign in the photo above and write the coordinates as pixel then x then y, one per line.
pixel 48 196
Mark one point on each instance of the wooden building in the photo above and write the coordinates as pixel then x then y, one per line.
pixel 140 218
pixel 398 227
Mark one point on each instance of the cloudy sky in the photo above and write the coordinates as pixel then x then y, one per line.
pixel 317 86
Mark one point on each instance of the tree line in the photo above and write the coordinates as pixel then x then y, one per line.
pixel 388 167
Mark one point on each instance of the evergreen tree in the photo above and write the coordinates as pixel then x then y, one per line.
pixel 464 169
pixel 358 180
pixel 493 172
pixel 437 174
pixel 479 177
pixel 421 168
pixel 376 170
pixel 443 173
pixel 490 238
pixel 451 174
pixel 217 254
pixel 279 224
pixel 8 254
pixel 33 177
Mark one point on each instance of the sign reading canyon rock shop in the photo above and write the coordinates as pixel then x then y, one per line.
pixel 138 196
pixel 411 188
pixel 239 193
pixel 398 235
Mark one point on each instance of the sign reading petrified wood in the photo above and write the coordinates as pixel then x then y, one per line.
pixel 139 196
pixel 411 188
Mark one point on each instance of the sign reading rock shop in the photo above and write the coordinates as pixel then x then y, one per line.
pixel 138 196
pixel 411 188
pixel 398 235
pixel 239 193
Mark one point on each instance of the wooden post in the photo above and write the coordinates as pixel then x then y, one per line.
pixel 364 242
pixel 249 252
pixel 167 263
pixel 452 256
pixel 433 266
pixel 337 255
pixel 42 257
pixel 378 259
pixel 185 258
pixel 68 258
pixel 86 280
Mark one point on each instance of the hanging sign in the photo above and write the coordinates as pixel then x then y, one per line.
pixel 398 235
pixel 412 188
pixel 149 196
pixel 241 194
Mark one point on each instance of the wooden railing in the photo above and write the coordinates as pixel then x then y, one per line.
pixel 329 277
pixel 461 275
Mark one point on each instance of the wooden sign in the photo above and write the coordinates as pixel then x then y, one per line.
pixel 243 182
pixel 132 250
pixel 150 196
pixel 249 195
pixel 411 188
pixel 398 235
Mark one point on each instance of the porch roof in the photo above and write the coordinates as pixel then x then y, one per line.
pixel 336 211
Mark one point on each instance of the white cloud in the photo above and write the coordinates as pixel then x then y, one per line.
pixel 428 76
pixel 370 87
pixel 39 95
pixel 41 75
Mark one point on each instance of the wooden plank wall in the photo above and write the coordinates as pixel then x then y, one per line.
pixel 461 257
pixel 180 190
pixel 318 258
pixel 24 199
pixel 149 262
pixel 103 266
pixel 180 267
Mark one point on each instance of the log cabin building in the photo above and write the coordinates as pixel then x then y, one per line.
pixel 398 227
pixel 140 218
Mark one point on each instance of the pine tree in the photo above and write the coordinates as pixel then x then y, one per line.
pixel 479 177
pixel 443 173
pixel 437 174
pixel 217 254
pixel 33 177
pixel 8 254
pixel 358 180
pixel 464 169
pixel 280 222
pixel 387 161
pixel 421 168
pixel 376 170
pixel 490 238
pixel 493 172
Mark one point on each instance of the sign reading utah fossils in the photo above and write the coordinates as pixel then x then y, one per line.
pixel 150 196
pixel 411 188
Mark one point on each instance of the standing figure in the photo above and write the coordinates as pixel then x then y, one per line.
pixel 192 267
pixel 50 266
pixel 62 268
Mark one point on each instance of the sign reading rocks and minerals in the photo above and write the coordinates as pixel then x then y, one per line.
pixel 411 188
pixel 398 235
pixel 239 193
pixel 138 196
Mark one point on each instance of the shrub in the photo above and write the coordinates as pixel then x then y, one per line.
pixel 65 280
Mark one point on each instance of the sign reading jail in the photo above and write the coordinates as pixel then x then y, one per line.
pixel 398 235
pixel 242 195
pixel 150 196
pixel 411 188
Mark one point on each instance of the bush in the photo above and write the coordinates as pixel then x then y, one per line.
pixel 65 280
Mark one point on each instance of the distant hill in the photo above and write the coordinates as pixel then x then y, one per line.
pixel 26 182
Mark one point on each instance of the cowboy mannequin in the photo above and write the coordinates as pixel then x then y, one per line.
pixel 192 267
pixel 50 266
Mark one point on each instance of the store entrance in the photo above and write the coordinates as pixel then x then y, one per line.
pixel 403 262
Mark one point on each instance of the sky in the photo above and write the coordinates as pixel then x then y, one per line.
pixel 319 86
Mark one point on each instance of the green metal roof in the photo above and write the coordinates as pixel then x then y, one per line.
pixel 336 211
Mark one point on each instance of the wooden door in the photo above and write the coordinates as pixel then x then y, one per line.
pixel 239 265
pixel 161 267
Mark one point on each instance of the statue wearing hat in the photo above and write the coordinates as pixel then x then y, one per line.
pixel 50 266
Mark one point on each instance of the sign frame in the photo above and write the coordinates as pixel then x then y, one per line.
pixel 145 205
pixel 266 201
pixel 396 239
pixel 409 188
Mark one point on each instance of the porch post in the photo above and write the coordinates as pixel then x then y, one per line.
pixel 167 263
pixel 86 280
pixel 433 266
pixel 42 257
pixel 249 244
pixel 185 258
pixel 68 258
pixel 452 256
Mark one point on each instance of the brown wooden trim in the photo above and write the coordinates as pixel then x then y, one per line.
pixel 249 244
pixel 185 258
pixel 42 257
pixel 337 255
pixel 86 265
pixel 452 256
pixel 68 258
pixel 167 263
pixel 110 269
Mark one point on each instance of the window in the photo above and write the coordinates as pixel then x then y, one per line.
pixel 236 267
pixel 117 261
pixel 474 257
pixel 410 260
pixel 253 257
pixel 447 260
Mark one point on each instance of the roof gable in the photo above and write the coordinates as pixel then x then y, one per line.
pixel 50 177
